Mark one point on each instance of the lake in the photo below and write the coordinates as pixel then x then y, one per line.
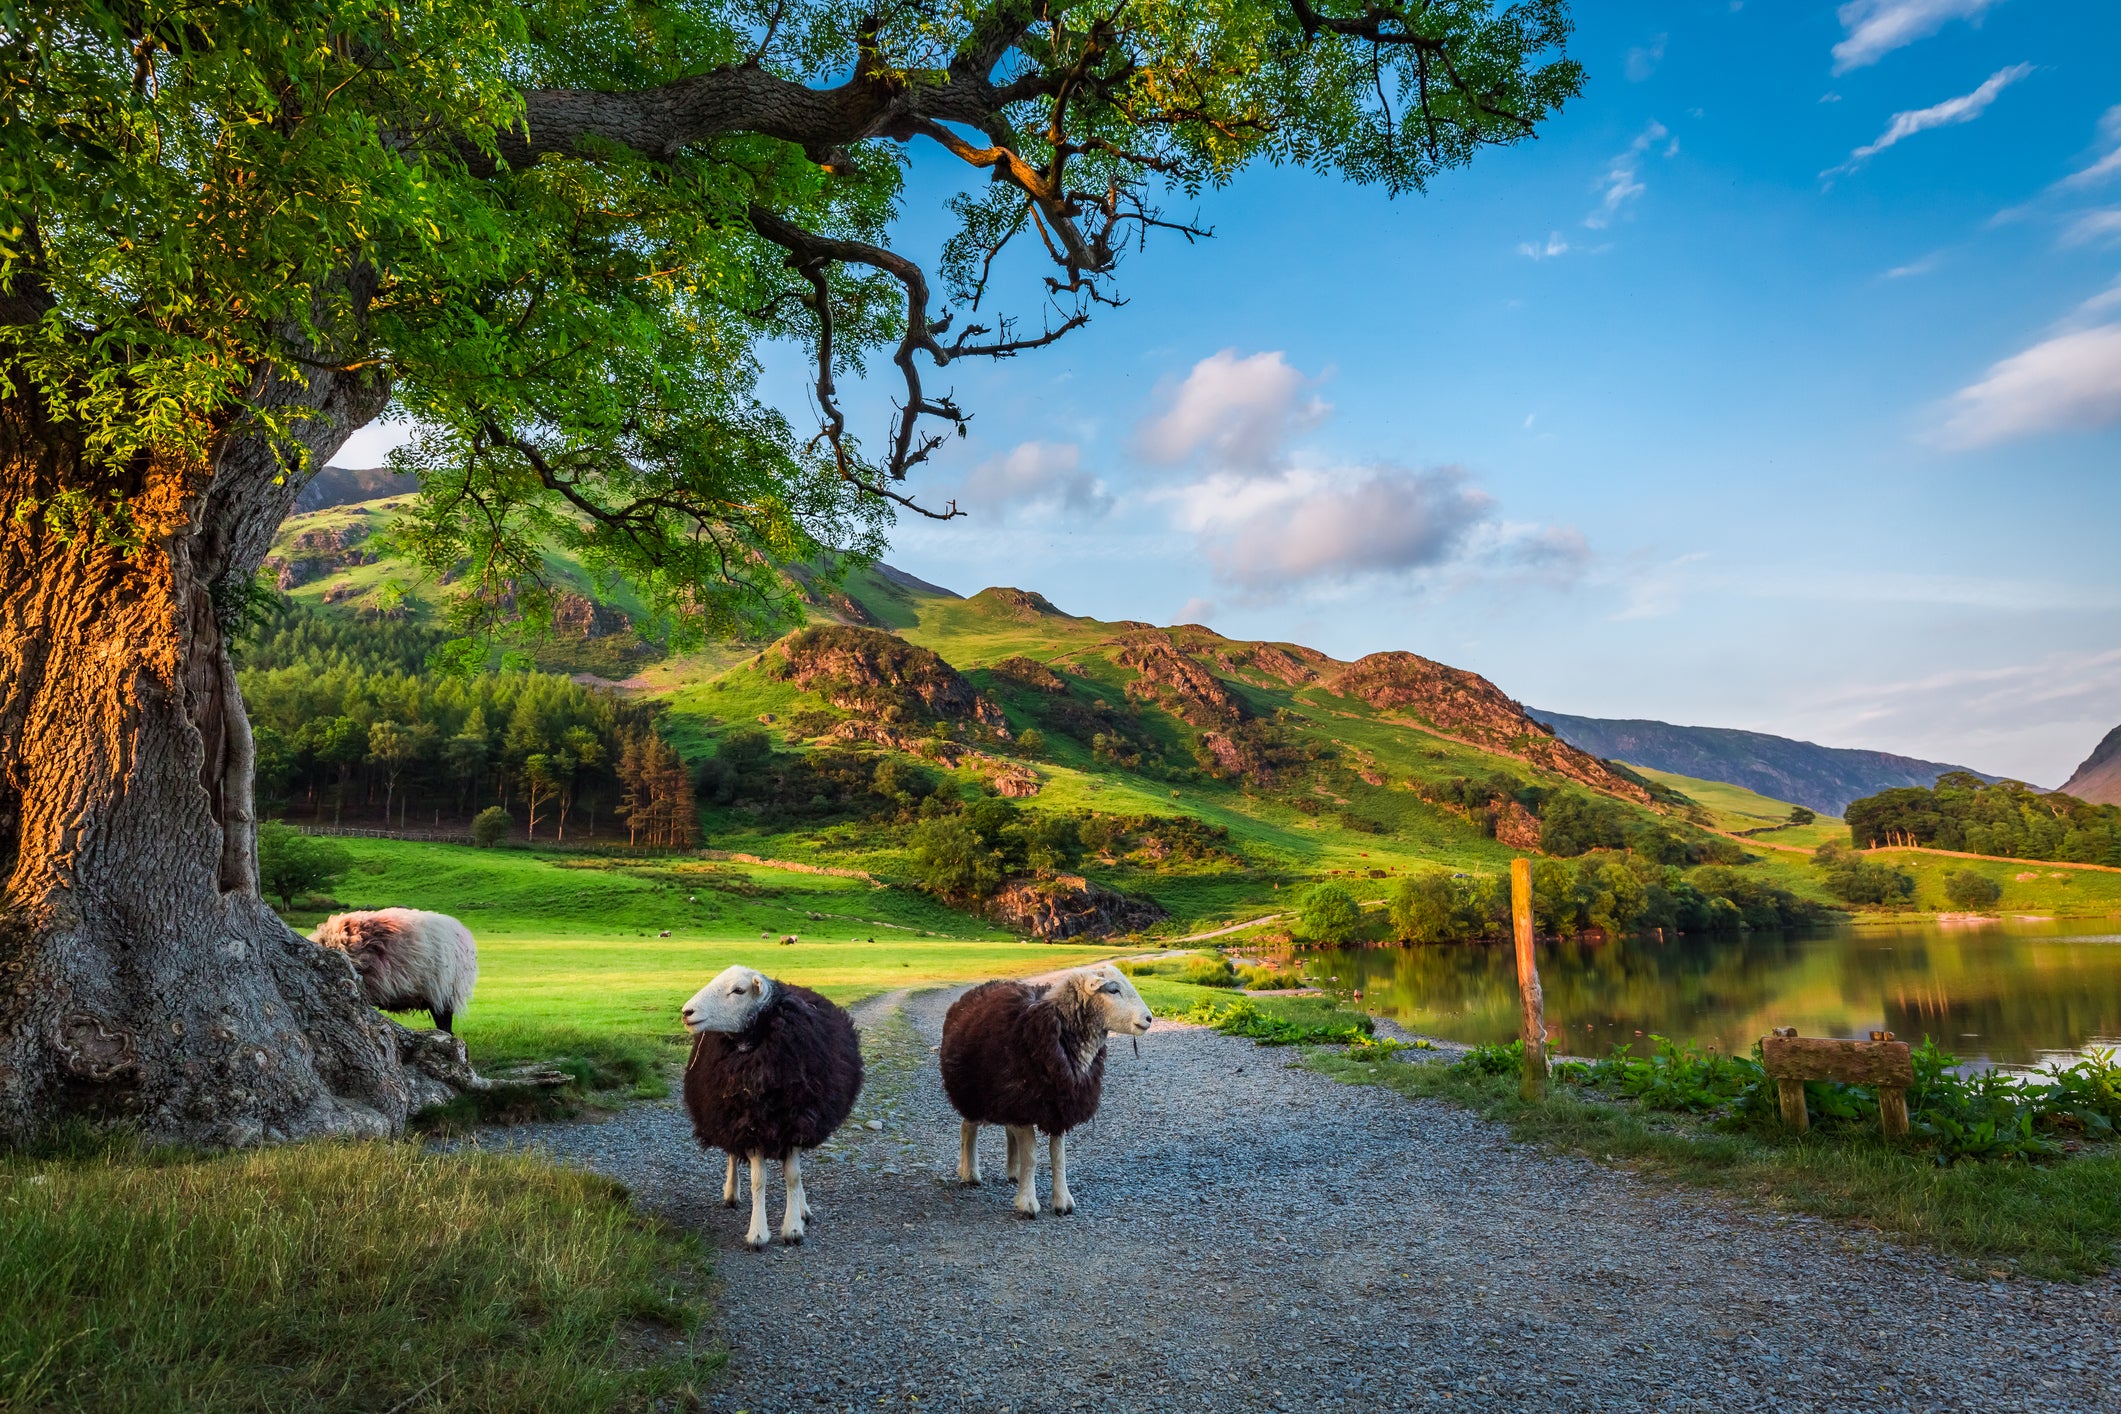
pixel 2011 993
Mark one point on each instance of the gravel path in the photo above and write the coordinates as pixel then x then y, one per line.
pixel 1252 1236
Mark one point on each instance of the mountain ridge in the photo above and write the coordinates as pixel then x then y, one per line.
pixel 2098 779
pixel 1822 778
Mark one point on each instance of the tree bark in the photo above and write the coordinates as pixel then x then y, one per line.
pixel 143 981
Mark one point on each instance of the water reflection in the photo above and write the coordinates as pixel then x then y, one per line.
pixel 2012 993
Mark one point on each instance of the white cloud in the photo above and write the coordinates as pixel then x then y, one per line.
pixel 1963 109
pixel 1923 266
pixel 2106 299
pixel 1622 181
pixel 2039 717
pixel 1237 414
pixel 2093 227
pixel 1554 246
pixel 1643 62
pixel 2072 380
pixel 1875 28
pixel 2108 164
pixel 1038 473
pixel 1197 611
pixel 1305 526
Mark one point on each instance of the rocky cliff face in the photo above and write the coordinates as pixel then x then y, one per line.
pixel 2099 778
pixel 1070 906
pixel 866 670
pixel 314 554
pixel 1172 680
pixel 1469 707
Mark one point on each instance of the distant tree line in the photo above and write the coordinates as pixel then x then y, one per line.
pixel 1964 812
pixel 339 741
pixel 1609 893
pixel 1575 822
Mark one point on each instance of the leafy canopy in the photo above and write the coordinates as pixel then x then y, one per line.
pixel 560 234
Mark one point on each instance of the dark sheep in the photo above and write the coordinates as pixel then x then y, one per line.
pixel 775 1070
pixel 1031 1057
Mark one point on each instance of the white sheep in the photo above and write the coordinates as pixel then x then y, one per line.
pixel 409 959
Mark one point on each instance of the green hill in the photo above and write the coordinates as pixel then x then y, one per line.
pixel 1205 776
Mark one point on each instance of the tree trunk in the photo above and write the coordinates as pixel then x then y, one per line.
pixel 143 981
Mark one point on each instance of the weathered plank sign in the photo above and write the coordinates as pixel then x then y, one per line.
pixel 1882 1062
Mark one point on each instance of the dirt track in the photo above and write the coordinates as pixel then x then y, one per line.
pixel 1251 1236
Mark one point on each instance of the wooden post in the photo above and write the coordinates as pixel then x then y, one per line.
pixel 1892 1111
pixel 1534 1086
pixel 1794 1114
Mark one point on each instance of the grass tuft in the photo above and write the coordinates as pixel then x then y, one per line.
pixel 327 1276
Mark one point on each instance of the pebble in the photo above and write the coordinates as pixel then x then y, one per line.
pixel 1249 1235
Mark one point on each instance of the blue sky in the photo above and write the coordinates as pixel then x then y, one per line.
pixel 1778 385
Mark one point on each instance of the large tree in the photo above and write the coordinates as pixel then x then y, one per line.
pixel 556 233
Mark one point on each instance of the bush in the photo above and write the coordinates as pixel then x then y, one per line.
pixel 950 860
pixel 1854 879
pixel 290 863
pixel 1329 915
pixel 1032 742
pixel 1969 890
pixel 490 826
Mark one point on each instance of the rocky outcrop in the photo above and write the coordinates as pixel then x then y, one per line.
pixel 1070 906
pixel 583 617
pixel 318 553
pixel 867 670
pixel 1017 604
pixel 1516 827
pixel 1029 672
pixel 1173 680
pixel 1469 708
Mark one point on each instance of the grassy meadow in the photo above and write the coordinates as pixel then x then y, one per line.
pixel 572 961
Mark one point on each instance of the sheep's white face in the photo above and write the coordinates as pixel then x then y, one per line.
pixel 1125 1013
pixel 729 1002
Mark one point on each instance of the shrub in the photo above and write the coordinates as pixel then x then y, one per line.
pixel 1329 915
pixel 290 863
pixel 1969 890
pixel 950 859
pixel 490 826
pixel 1854 879
pixel 1032 742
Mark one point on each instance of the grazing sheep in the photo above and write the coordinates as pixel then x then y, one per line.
pixel 1031 1057
pixel 409 959
pixel 775 1069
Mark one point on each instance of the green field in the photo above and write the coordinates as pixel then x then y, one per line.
pixel 1735 809
pixel 571 959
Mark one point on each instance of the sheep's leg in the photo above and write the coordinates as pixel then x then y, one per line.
pixel 1063 1200
pixel 729 1184
pixel 798 1208
pixel 1027 1171
pixel 759 1233
pixel 1016 1153
pixel 442 1020
pixel 968 1153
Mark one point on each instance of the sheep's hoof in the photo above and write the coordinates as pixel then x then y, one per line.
pixel 1063 1206
pixel 729 1202
pixel 1027 1212
pixel 756 1241
pixel 792 1239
